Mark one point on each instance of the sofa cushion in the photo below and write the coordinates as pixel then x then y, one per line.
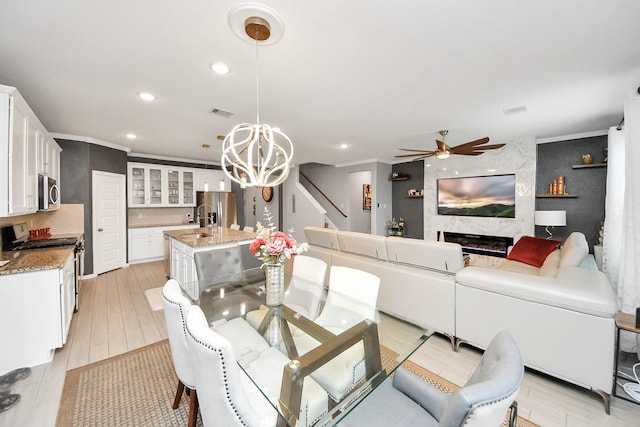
pixel 363 244
pixel 574 250
pixel 576 289
pixel 550 265
pixel 320 236
pixel 532 251
pixel 439 256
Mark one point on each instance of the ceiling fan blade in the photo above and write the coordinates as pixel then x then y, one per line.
pixel 423 153
pixel 490 147
pixel 416 150
pixel 423 157
pixel 472 143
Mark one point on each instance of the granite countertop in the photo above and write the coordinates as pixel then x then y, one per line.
pixel 222 235
pixel 37 259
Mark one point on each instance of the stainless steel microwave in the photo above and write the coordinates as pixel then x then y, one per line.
pixel 48 193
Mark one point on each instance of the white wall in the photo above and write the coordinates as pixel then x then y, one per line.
pixel 299 208
pixel 516 157
pixel 333 182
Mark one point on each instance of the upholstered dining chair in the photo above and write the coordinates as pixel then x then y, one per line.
pixel 352 297
pixel 219 265
pixel 176 307
pixel 482 402
pixel 234 226
pixel 304 296
pixel 227 396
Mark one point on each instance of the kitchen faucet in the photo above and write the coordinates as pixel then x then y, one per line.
pixel 205 205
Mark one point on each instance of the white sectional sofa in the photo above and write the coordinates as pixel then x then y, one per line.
pixel 417 277
pixel 561 313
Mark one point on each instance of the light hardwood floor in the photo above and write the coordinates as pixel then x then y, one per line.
pixel 115 317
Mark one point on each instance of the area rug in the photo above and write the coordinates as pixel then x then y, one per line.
pixel 137 388
pixel 154 298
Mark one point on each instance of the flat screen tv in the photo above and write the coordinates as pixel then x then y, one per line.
pixel 487 196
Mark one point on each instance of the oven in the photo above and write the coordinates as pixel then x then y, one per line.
pixel 48 193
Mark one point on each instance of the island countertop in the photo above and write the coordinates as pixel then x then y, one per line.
pixel 203 236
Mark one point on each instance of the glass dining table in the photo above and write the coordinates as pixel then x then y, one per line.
pixel 285 326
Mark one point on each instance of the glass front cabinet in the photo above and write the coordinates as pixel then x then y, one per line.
pixel 160 186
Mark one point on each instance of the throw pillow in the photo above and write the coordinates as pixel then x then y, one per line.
pixel 574 250
pixel 532 251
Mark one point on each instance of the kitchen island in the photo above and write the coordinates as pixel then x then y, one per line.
pixel 183 244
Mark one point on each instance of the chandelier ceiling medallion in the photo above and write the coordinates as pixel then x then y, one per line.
pixel 256 155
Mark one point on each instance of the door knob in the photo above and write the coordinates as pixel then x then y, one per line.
pixel 100 229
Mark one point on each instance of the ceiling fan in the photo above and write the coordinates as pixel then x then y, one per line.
pixel 473 148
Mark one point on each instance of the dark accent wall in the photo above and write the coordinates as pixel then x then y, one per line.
pixel 586 212
pixel 77 162
pixel 411 210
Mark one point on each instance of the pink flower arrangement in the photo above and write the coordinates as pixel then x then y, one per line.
pixel 274 247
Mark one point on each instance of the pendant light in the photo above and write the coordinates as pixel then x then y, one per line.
pixel 257 155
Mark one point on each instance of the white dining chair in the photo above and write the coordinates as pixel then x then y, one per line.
pixel 234 227
pixel 176 307
pixel 248 229
pixel 352 298
pixel 230 397
pixel 305 292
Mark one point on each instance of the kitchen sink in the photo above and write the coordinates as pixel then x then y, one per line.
pixel 196 235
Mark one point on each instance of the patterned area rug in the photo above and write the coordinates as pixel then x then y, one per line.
pixel 137 388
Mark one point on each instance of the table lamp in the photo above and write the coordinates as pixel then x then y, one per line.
pixel 550 219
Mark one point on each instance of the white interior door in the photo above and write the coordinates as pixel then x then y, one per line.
pixel 109 221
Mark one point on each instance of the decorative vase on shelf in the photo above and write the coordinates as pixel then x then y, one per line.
pixel 274 285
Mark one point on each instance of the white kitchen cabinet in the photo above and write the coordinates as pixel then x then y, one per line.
pixel 21 153
pixel 160 186
pixel 147 244
pixel 36 308
pixel 181 187
pixel 146 185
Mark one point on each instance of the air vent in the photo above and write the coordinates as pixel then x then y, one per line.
pixel 221 112
pixel 515 110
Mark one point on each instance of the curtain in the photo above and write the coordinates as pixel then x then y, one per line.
pixel 621 243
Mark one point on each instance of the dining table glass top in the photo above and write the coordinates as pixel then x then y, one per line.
pixel 310 348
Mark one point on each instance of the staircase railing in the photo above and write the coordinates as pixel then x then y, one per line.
pixel 322 194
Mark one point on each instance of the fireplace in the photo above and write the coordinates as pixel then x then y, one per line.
pixel 480 244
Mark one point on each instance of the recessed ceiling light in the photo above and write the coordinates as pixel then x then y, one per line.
pixel 220 68
pixel 344 146
pixel 147 96
pixel 491 170
pixel 131 136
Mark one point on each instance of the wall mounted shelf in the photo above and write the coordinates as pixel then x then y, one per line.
pixel 400 178
pixel 593 165
pixel 413 197
pixel 558 196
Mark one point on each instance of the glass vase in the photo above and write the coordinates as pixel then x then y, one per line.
pixel 274 284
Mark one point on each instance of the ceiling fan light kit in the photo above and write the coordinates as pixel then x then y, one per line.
pixel 443 151
pixel 256 155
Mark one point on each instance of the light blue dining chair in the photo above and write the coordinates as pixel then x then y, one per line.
pixel 482 402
